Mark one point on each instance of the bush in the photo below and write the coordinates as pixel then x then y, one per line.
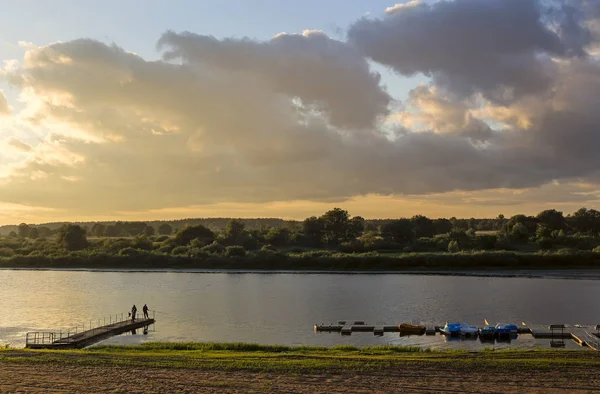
pixel 235 251
pixel 453 247
pixel 486 242
pixel 131 252
pixel 141 243
pixel 6 252
pixel 351 247
pixel 179 251
pixel 214 248
pixel 198 253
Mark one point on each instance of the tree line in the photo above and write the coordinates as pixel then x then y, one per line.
pixel 335 229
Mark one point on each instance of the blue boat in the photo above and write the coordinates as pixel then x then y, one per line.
pixel 487 332
pixel 506 329
pixel 451 329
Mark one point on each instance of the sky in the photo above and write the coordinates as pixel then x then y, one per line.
pixel 129 110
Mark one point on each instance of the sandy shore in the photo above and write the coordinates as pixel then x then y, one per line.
pixel 69 374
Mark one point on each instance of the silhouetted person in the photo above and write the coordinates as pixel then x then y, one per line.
pixel 133 312
pixel 145 310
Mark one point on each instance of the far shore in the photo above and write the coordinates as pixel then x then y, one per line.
pixel 577 274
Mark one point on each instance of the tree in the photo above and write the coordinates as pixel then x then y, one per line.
pixel 519 232
pixel 23 230
pixel 98 230
pixel 278 236
pixel 401 231
pixel 313 228
pixel 552 219
pixel 149 231
pixel 112 231
pixel 586 221
pixel 336 224
pixel 460 238
pixel 356 227
pixel 453 247
pixel 12 234
pixel 423 226
pixel 72 237
pixel 133 228
pixel 519 227
pixel 188 233
pixel 442 226
pixel 44 232
pixel 165 229
pixel 234 232
pixel 33 233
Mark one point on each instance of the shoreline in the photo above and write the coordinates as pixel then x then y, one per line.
pixel 574 274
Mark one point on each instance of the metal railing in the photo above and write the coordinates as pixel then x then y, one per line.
pixel 92 328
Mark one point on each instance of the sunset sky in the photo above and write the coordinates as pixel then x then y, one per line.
pixel 203 108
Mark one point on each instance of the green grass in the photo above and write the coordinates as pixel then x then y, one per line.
pixel 301 359
pixel 255 347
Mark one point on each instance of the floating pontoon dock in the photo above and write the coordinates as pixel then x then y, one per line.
pixel 588 336
pixel 82 336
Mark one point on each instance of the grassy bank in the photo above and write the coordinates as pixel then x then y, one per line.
pixel 210 368
pixel 319 260
pixel 283 359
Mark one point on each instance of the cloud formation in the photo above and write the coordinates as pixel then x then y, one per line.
pixel 496 47
pixel 4 108
pixel 511 105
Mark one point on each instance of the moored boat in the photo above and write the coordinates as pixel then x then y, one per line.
pixel 451 329
pixel 468 330
pixel 487 332
pixel 411 329
pixel 506 329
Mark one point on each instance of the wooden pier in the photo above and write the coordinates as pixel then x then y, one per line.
pixel 80 337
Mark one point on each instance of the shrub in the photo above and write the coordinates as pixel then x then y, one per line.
pixel 162 238
pixel 168 248
pixel 141 243
pixel 351 247
pixel 6 252
pixel 131 252
pixel 453 247
pixel 198 253
pixel 235 250
pixel 214 248
pixel 179 251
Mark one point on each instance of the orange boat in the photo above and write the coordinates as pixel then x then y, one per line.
pixel 411 329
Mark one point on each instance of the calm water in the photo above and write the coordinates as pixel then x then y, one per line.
pixel 282 308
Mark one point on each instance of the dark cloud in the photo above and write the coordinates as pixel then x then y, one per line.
pixel 326 74
pixel 491 46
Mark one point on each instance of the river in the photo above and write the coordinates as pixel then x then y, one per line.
pixel 281 308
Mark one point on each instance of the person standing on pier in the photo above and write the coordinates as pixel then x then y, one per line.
pixel 145 310
pixel 133 312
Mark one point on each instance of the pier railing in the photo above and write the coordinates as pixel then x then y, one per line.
pixel 92 327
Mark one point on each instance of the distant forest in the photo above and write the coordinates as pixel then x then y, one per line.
pixel 133 228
